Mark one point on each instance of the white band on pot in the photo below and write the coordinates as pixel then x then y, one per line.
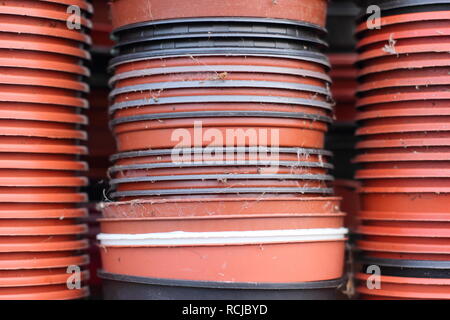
pixel 223 237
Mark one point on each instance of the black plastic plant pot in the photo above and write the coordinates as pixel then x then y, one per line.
pixel 341 25
pixel 218 28
pixel 409 268
pixel 123 287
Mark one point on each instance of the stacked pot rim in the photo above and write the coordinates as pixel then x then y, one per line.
pixel 42 95
pixel 403 130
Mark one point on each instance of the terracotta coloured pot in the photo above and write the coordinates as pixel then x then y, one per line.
pixel 23 94
pixel 36 178
pixel 30 278
pixel 410 61
pixel 19 111
pixel 425 229
pixel 406 46
pixel 54 292
pixel 41 243
pixel 417 29
pixel 42 9
pixel 402 216
pixel 125 13
pixel 222 207
pixel 408 78
pixel 395 171
pixel 40 145
pixel 40 211
pixel 406 256
pixel 43 27
pixel 41 195
pixel 20 227
pixel 157 135
pixel 404 124
pixel 347 190
pixel 405 140
pixel 43 78
pixel 31 261
pixel 221 223
pixel 416 155
pixel 41 129
pixel 410 288
pixel 397 110
pixel 325 260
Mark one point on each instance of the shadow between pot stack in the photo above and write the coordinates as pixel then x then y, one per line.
pixel 42 131
pixel 220 187
pixel 404 154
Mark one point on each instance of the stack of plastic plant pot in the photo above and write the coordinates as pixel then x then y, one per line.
pixel 404 151
pixel 341 137
pixel 100 142
pixel 220 184
pixel 42 97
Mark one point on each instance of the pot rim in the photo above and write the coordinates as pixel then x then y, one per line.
pixel 40 280
pixel 406 280
pixel 44 263
pixel 402 216
pixel 45 214
pixel 139 193
pixel 225 285
pixel 217 68
pixel 415 264
pixel 64 294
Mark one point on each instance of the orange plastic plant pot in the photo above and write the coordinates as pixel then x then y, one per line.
pixel 405 140
pixel 18 144
pixel 221 223
pixel 347 190
pixel 421 229
pixel 156 135
pixel 295 262
pixel 404 124
pixel 41 243
pixel 36 112
pixel 40 129
pixel 41 195
pixel 31 278
pixel 403 216
pixel 41 211
pixel 409 288
pixel 126 12
pixel 220 206
pixel 20 227
pixel 52 292
pixel 407 256
pixel 41 260
pixel 404 245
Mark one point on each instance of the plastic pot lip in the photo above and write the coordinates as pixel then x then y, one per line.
pixel 158 23
pixel 406 280
pixel 48 294
pixel 225 285
pixel 399 84
pixel 45 214
pixel 44 133
pixel 43 198
pixel 40 280
pixel 44 182
pixel 218 99
pixel 404 112
pixel 43 14
pixel 222 238
pixel 162 152
pixel 402 128
pixel 44 116
pixel 143 193
pixel 32 164
pixel 226 163
pixel 307 56
pixel 392 247
pixel 46 31
pixel 206 84
pixel 205 177
pixel 44 263
pixel 221 114
pixel 404 190
pixel 414 264
pixel 45 99
pixel 403 216
pixel 309 40
pixel 50 48
pixel 74 229
pixel 403 65
pixel 218 217
pixel 401 97
pixel 73 245
pixel 37 82
pixel 218 68
pixel 48 66
pixel 86 6
pixel 382 144
pixel 51 149
pixel 401 157
pixel 404 232
pixel 394 174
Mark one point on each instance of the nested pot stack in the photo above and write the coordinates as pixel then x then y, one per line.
pixel 219 111
pixel 404 154
pixel 42 131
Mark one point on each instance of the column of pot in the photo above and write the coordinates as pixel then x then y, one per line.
pixel 404 124
pixel 219 118
pixel 42 96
